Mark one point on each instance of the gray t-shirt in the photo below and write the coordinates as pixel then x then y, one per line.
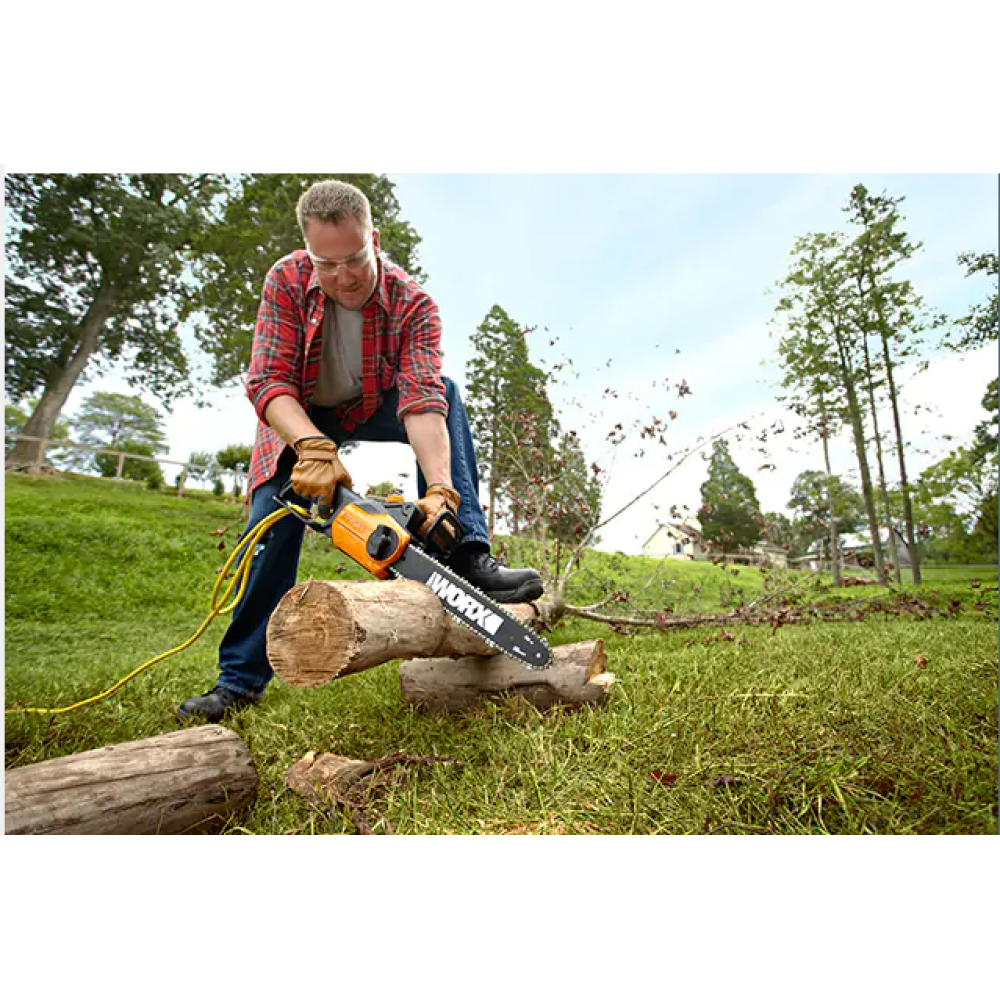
pixel 340 364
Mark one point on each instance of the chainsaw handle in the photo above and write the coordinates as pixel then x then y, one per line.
pixel 320 517
pixel 438 538
pixel 407 515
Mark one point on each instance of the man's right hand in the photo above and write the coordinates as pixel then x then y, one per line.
pixel 318 470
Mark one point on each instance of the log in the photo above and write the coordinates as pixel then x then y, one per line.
pixel 575 676
pixel 323 629
pixel 187 781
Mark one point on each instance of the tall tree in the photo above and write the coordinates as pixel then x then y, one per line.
pixel 256 227
pixel 510 414
pixel 810 392
pixel 95 274
pixel 819 290
pixel 892 313
pixel 730 514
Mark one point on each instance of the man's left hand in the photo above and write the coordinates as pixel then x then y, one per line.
pixel 438 499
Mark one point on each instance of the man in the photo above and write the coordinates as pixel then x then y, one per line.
pixel 347 346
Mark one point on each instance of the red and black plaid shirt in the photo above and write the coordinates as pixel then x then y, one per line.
pixel 400 346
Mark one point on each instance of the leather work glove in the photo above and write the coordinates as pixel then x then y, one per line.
pixel 439 498
pixel 318 470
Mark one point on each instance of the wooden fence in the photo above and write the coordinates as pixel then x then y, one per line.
pixel 44 444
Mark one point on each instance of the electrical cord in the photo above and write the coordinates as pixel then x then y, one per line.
pixel 241 576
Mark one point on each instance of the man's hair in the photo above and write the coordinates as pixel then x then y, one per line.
pixel 333 201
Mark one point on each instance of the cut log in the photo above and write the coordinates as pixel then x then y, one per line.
pixel 575 676
pixel 188 781
pixel 324 629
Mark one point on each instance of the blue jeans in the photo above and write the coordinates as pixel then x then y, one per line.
pixel 243 664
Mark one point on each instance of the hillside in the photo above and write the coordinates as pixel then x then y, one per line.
pixel 885 725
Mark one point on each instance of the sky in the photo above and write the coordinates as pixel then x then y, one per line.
pixel 644 281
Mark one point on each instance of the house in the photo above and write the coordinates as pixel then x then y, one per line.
pixel 684 541
pixel 855 551
pixel 675 541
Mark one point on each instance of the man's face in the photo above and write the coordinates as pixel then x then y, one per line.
pixel 344 258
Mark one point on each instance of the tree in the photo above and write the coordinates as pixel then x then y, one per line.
pixel 105 419
pixel 121 423
pixel 817 498
pixel 15 420
pixel 96 274
pixel 203 467
pixel 382 489
pixel 980 325
pixel 956 499
pixel 509 413
pixel 810 383
pixel 255 227
pixel 819 295
pixel 730 515
pixel 890 311
pixel 986 432
pixel 235 458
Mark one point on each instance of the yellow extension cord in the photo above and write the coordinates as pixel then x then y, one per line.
pixel 242 575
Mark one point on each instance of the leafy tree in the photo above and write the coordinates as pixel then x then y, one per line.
pixel 382 489
pixel 255 227
pixel 95 273
pixel 105 419
pixel 819 298
pixel 956 501
pixel 510 414
pixel 204 468
pixel 235 458
pixel 810 384
pixel 574 503
pixel 817 498
pixel 986 432
pixel 890 312
pixel 979 326
pixel 730 514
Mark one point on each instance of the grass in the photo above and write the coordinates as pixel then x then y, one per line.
pixel 888 725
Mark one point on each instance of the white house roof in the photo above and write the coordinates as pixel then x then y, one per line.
pixel 684 531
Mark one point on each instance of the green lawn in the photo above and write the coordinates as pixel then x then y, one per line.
pixel 887 725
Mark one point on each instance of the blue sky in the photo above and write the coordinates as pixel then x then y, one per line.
pixel 625 271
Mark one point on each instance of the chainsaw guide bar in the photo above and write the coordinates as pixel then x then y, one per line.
pixel 380 539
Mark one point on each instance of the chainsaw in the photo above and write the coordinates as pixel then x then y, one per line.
pixel 381 538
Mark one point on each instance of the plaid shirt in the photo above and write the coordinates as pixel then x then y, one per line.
pixel 400 346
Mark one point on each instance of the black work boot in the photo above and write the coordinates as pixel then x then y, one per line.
pixel 505 586
pixel 213 705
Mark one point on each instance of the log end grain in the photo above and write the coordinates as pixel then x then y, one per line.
pixel 312 635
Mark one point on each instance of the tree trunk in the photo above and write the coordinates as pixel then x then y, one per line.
pixel 880 462
pixel 834 538
pixel 323 629
pixel 62 378
pixel 575 676
pixel 858 433
pixel 904 485
pixel 187 781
